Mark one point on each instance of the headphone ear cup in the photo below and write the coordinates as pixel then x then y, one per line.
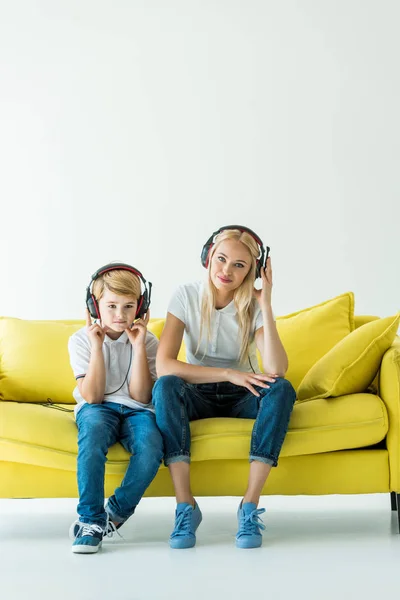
pixel 92 307
pixel 205 254
pixel 141 307
pixel 146 302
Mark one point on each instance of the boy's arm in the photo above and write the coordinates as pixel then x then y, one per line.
pixel 87 361
pixel 92 385
pixel 141 382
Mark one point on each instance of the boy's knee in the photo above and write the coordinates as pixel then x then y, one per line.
pixel 150 448
pixel 91 424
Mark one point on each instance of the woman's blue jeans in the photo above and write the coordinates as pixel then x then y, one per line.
pixel 178 402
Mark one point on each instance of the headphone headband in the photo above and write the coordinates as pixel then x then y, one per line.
pixel 143 300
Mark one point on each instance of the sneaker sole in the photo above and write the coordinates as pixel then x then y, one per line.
pixel 86 549
pixel 181 545
pixel 247 544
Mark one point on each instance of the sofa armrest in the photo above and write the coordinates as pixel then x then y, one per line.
pixel 389 391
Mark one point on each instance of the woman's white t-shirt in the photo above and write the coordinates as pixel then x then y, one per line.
pixel 223 348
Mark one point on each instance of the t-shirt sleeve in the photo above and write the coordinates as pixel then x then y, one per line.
pixel 151 351
pixel 178 304
pixel 79 356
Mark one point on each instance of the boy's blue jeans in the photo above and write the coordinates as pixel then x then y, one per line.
pixel 99 427
pixel 178 402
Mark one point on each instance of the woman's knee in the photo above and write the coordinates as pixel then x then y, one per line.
pixel 167 389
pixel 282 388
pixel 286 389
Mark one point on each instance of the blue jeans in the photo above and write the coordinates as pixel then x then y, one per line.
pixel 178 402
pixel 99 427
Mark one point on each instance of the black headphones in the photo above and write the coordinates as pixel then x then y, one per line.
pixel 143 300
pixel 261 260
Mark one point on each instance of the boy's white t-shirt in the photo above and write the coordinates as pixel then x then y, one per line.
pixel 116 354
pixel 223 349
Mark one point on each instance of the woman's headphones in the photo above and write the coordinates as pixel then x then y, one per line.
pixel 261 260
pixel 143 300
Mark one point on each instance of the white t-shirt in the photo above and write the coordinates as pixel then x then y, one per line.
pixel 117 354
pixel 223 349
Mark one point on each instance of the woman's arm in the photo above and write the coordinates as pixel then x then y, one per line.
pixel 274 357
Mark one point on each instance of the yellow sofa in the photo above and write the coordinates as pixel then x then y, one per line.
pixel 344 445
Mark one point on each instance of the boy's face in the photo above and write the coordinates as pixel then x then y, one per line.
pixel 117 312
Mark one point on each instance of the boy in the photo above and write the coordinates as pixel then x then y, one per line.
pixel 113 361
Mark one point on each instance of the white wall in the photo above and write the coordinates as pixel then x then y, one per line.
pixel 130 130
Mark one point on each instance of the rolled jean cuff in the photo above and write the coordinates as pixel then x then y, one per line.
pixel 89 521
pixel 267 460
pixel 174 458
pixel 113 516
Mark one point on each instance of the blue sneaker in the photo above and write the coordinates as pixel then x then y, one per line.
pixel 109 530
pixel 250 526
pixel 187 520
pixel 88 539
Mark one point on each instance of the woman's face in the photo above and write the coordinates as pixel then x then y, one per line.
pixel 230 264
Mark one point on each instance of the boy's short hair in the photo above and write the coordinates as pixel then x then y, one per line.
pixel 119 282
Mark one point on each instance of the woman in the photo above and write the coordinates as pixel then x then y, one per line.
pixel 223 321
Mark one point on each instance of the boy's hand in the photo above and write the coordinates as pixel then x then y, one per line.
pixel 95 332
pixel 137 333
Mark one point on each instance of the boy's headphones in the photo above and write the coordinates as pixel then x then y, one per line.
pixel 143 300
pixel 261 260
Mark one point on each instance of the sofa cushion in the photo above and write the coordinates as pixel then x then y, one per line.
pixel 310 333
pixel 47 437
pixel 351 365
pixel 156 326
pixel 34 361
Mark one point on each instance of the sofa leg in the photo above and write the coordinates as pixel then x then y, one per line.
pixel 393 500
pixel 398 509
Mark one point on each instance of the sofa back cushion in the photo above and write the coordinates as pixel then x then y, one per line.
pixel 351 365
pixel 34 361
pixel 310 333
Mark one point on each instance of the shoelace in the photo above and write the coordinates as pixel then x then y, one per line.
pixel 250 524
pixel 108 531
pixel 111 529
pixel 183 522
pixel 90 529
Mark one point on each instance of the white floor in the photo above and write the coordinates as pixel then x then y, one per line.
pixel 323 548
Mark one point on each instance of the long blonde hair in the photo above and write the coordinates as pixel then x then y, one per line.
pixel 243 295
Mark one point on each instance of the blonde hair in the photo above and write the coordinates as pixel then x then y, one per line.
pixel 119 281
pixel 243 295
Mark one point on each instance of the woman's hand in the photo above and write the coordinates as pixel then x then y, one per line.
pixel 264 296
pixel 248 380
pixel 137 333
pixel 96 333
